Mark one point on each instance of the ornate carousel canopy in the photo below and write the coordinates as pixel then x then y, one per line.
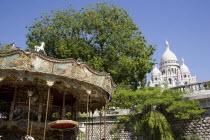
pixel 22 71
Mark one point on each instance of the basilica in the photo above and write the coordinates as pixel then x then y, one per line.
pixel 170 72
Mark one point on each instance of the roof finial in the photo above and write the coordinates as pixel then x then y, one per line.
pixel 167 45
pixel 182 60
pixel 155 65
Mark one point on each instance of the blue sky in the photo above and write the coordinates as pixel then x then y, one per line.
pixel 184 23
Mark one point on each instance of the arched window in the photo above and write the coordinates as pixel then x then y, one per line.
pixel 163 72
pixel 169 71
pixel 170 81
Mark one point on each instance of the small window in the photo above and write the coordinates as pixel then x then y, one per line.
pixel 170 81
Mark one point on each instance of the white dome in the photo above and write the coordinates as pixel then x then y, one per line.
pixel 155 71
pixel 168 55
pixel 184 68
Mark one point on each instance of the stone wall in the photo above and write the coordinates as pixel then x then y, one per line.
pixel 200 127
pixel 97 129
pixel 95 133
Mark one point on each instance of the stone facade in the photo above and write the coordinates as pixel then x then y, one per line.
pixel 170 72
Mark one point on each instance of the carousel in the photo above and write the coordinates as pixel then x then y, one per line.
pixel 43 97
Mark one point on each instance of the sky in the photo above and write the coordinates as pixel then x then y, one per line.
pixel 184 23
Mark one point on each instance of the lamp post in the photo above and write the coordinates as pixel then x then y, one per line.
pixel 30 93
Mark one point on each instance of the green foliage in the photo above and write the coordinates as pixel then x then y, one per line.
pixel 5 48
pixel 149 107
pixel 206 86
pixel 165 85
pixel 82 115
pixel 189 137
pixel 56 115
pixel 68 114
pixel 80 134
pixel 102 35
pixel 156 124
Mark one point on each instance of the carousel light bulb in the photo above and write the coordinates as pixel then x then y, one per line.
pixel 88 92
pixel 30 93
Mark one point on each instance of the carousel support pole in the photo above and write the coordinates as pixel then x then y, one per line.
pixel 100 119
pixel 87 118
pixel 89 125
pixel 100 124
pixel 79 119
pixel 88 94
pixel 76 110
pixel 12 105
pixel 45 125
pixel 31 130
pixel 64 109
pixel 40 111
pixel 92 124
pixel 105 122
pixel 29 109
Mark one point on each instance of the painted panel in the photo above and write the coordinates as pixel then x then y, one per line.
pixel 107 85
pixel 81 72
pixel 14 61
pixel 63 69
pixel 98 80
pixel 41 65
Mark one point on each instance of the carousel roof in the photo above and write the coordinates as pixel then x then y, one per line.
pixel 65 75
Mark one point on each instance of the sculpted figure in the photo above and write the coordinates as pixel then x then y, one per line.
pixel 40 48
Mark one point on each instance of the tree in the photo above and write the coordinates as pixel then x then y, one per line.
pixel 149 110
pixel 102 35
pixel 5 48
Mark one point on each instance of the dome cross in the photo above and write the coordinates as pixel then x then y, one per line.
pixel 182 60
pixel 167 45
